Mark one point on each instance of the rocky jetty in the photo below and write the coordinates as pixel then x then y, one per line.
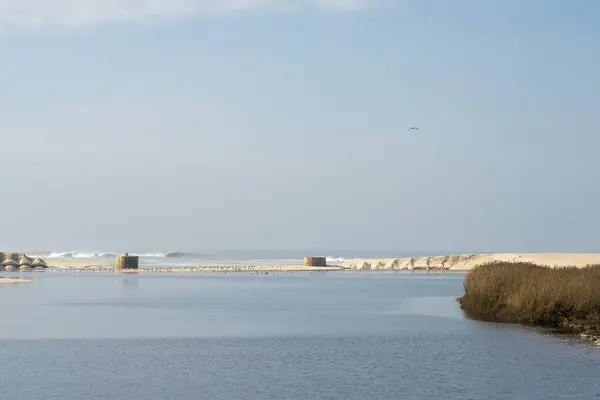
pixel 11 261
pixel 363 266
pixel 39 263
pixel 25 261
pixel 393 264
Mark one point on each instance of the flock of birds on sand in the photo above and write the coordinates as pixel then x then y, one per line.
pixel 205 268
pixel 226 269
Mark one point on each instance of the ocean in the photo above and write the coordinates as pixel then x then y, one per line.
pixel 345 335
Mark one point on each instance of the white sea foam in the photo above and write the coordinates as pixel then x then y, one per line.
pixel 332 259
pixel 101 254
pixel 78 254
pixel 150 255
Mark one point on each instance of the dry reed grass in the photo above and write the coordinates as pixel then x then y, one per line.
pixel 520 292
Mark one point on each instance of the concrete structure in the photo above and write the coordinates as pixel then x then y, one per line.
pixel 315 261
pixel 127 262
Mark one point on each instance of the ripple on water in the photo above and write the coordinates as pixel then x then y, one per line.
pixel 258 337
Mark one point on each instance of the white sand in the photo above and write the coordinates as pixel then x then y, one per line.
pixel 465 262
pixel 11 280
pixel 70 263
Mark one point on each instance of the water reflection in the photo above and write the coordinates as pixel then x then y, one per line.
pixel 127 285
pixel 443 307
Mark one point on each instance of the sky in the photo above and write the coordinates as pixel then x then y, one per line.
pixel 194 125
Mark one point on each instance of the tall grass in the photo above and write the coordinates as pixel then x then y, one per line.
pixel 526 293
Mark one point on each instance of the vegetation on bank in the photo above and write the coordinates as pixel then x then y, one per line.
pixel 518 292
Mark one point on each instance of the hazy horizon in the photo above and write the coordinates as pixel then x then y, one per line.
pixel 192 125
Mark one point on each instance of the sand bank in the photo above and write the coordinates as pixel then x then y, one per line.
pixel 204 268
pixel 465 262
pixel 70 263
pixel 13 280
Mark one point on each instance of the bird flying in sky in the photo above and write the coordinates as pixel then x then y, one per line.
pixel 413 128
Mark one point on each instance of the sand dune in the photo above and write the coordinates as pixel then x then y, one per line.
pixel 465 262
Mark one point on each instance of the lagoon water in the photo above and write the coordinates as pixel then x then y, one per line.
pixel 327 335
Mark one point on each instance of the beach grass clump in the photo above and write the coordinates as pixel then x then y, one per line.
pixel 519 292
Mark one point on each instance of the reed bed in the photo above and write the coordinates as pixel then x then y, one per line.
pixel 518 292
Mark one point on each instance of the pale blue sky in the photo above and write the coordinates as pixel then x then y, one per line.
pixel 260 127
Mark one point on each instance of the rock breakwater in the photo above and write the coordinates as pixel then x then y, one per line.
pixel 12 261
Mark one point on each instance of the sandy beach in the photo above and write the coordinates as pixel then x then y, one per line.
pixel 74 263
pixel 465 262
pixel 69 263
pixel 202 268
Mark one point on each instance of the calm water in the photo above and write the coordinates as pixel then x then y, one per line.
pixel 334 335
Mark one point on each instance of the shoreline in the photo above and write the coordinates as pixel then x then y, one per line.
pixel 588 331
pixel 455 263
pixel 204 268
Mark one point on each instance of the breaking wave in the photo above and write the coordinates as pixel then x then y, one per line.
pixel 331 259
pixel 91 254
pixel 71 254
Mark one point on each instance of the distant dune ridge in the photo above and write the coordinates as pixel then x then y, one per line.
pixel 466 262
